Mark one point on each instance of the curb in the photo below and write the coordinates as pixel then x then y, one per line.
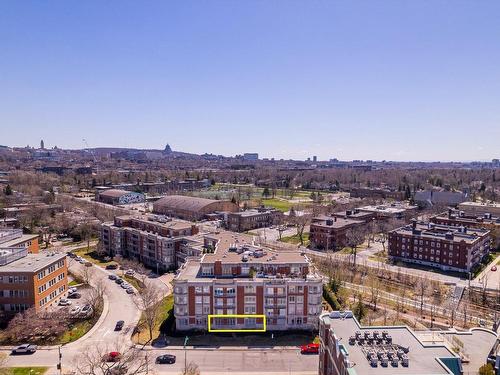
pixel 223 348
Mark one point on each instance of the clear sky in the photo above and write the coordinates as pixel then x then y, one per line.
pixel 391 79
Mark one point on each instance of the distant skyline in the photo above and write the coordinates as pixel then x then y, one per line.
pixel 394 80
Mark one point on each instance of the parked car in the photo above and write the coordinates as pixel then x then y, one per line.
pixel 112 357
pixel 125 285
pixel 72 290
pixel 309 349
pixel 70 254
pixel 75 310
pixel 165 359
pixel 119 325
pixel 112 277
pixel 86 310
pixel 88 264
pixel 24 349
pixel 75 295
pixel 112 266
pixel 130 291
pixel 129 272
pixel 64 302
pixel 119 281
pixel 494 268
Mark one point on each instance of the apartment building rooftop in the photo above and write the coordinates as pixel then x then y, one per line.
pixel 334 221
pixel 433 231
pixel 233 247
pixel 428 352
pixel 390 208
pixel 32 262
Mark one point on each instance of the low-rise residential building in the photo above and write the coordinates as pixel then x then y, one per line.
pixel 460 218
pixel 118 196
pixel 428 198
pixel 347 348
pixel 253 219
pixel 157 242
pixel 480 208
pixel 15 238
pixel 449 248
pixel 394 210
pixel 274 289
pixel 355 214
pixel 329 232
pixel 31 280
pixel 377 193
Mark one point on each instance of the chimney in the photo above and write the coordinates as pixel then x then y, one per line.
pixel 414 223
pixel 449 213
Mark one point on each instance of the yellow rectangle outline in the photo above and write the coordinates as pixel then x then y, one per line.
pixel 256 316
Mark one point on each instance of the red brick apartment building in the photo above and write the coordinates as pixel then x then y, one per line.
pixel 158 243
pixel 253 219
pixel 329 232
pixel 460 218
pixel 449 248
pixel 241 278
pixel 31 280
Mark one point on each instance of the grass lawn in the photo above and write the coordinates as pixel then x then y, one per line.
pixel 73 283
pixel 92 256
pixel 295 240
pixel 28 370
pixel 167 310
pixel 133 281
pixel 278 204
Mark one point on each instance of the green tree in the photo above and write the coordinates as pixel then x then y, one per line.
pixel 266 193
pixel 359 309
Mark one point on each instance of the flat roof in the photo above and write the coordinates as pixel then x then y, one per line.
pixel 227 240
pixel 32 262
pixel 337 222
pixel 438 231
pixel 423 359
pixel 481 204
pixel 19 240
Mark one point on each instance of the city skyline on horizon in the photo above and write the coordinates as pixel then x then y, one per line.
pixel 412 81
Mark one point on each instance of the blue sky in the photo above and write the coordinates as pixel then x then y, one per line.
pixel 395 80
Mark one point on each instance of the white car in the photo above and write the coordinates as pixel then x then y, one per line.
pixel 75 310
pixel 72 290
pixel 24 349
pixel 125 285
pixel 64 302
pixel 129 272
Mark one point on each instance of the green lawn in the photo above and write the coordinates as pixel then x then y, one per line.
pixel 278 204
pixel 28 370
pixel 73 283
pixel 133 281
pixel 92 256
pixel 295 240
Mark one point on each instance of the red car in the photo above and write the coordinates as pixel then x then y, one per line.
pixel 309 349
pixel 494 268
pixel 112 357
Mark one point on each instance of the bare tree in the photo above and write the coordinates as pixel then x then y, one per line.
pixel 95 360
pixel 354 238
pixel 374 291
pixel 301 221
pixel 95 296
pixel 421 290
pixel 87 274
pixel 149 302
pixel 191 369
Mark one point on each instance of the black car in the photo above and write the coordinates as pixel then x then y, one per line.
pixel 112 266
pixel 119 325
pixel 119 281
pixel 165 359
pixel 74 295
pixel 112 277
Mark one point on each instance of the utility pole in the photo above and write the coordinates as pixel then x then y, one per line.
pixel 59 365
pixel 185 355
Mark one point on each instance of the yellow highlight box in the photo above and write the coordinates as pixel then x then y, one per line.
pixel 236 316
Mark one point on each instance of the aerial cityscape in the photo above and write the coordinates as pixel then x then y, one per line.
pixel 250 188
